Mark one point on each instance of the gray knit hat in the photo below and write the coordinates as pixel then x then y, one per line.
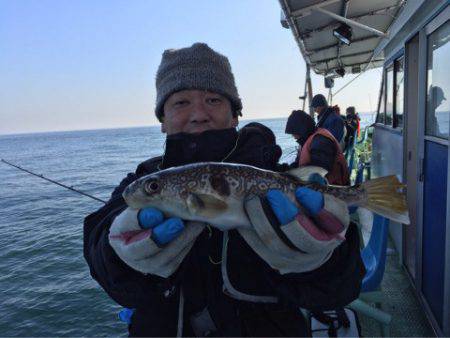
pixel 195 67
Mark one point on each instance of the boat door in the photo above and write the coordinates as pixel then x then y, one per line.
pixel 434 85
pixel 411 139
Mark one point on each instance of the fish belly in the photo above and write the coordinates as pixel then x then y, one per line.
pixel 234 217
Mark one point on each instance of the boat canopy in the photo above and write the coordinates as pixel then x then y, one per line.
pixel 338 37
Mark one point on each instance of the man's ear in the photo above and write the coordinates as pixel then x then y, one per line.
pixel 235 122
pixel 163 126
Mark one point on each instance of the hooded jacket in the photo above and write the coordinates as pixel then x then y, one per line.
pixel 338 172
pixel 156 299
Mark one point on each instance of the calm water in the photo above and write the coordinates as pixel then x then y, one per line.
pixel 45 285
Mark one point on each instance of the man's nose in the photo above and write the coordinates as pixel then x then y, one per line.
pixel 199 113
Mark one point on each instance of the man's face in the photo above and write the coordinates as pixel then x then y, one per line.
pixel 194 111
pixel 318 110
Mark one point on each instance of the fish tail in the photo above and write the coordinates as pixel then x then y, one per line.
pixel 386 197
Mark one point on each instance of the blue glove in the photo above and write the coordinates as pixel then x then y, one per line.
pixel 162 231
pixel 310 199
pixel 282 206
pixel 125 315
pixel 317 178
pixel 149 218
pixel 286 211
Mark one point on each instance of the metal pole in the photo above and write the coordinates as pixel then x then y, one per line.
pixel 351 22
pixel 309 85
pixel 304 92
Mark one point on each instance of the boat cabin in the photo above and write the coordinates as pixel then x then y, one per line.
pixel 410 40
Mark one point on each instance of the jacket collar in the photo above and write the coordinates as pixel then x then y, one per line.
pixel 209 146
pixel 251 145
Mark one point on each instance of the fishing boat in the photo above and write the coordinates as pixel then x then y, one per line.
pixel 410 41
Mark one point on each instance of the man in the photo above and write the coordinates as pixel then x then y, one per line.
pixel 317 148
pixel 187 278
pixel 327 118
pixel 434 100
pixel 353 118
pixel 351 124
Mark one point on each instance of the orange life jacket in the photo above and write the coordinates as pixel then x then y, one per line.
pixel 339 174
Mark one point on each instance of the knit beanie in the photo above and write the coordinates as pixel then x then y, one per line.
pixel 301 124
pixel 196 67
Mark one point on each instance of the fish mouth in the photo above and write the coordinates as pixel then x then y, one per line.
pixel 133 195
pixel 132 236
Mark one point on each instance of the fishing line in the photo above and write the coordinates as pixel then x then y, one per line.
pixel 53 181
pixel 232 150
pixel 162 157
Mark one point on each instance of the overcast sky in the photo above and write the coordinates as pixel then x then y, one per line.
pixel 70 65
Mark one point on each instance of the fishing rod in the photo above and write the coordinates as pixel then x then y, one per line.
pixel 53 181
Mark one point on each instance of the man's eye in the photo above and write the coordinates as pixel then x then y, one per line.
pixel 181 103
pixel 214 100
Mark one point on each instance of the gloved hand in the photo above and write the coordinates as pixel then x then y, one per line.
pixel 149 244
pixel 162 231
pixel 286 211
pixel 292 237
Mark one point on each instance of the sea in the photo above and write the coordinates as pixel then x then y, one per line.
pixel 45 285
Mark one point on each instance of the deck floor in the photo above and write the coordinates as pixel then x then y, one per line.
pixel 408 318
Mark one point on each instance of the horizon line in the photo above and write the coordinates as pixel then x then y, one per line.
pixel 127 127
pixel 109 128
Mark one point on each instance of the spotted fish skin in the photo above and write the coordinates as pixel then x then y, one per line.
pixel 215 192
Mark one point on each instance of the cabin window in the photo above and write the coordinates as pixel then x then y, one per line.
pixel 390 109
pixel 399 75
pixel 380 114
pixel 438 83
pixel 389 96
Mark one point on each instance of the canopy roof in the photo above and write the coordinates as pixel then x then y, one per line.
pixel 312 22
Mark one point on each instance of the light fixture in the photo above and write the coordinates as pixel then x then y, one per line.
pixel 343 33
pixel 340 71
pixel 329 82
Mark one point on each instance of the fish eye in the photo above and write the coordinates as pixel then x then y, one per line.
pixel 152 187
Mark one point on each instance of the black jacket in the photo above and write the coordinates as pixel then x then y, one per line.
pixel 156 299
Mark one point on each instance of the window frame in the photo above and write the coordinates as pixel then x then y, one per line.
pixel 387 69
pixel 394 113
pixel 429 32
pixel 382 101
pixel 381 115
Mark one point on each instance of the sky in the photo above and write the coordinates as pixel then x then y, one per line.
pixel 74 65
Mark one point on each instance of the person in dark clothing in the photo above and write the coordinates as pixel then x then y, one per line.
pixel 317 148
pixel 327 117
pixel 352 126
pixel 352 117
pixel 188 278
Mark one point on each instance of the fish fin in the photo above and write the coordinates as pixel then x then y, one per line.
pixel 303 173
pixel 385 196
pixel 205 205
